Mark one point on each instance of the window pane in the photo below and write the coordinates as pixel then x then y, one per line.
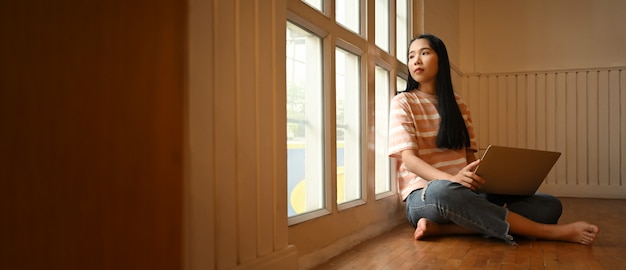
pixel 382 173
pixel 382 24
pixel 400 84
pixel 348 126
pixel 317 4
pixel 402 30
pixel 304 121
pixel 348 14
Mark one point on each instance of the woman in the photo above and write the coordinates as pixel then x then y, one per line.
pixel 432 137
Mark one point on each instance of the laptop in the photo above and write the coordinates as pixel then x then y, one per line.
pixel 514 171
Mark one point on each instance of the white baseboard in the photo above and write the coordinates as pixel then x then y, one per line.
pixel 584 191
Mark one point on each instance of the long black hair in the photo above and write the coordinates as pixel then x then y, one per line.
pixel 453 132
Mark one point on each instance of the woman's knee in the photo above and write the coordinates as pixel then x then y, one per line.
pixel 542 208
pixel 444 190
pixel 552 207
pixel 437 188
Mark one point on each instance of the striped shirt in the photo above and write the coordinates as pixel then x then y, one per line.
pixel 414 124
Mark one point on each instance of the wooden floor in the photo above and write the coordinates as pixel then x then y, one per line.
pixel 396 249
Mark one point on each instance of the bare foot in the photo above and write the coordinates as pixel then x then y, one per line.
pixel 579 232
pixel 426 227
pixel 576 232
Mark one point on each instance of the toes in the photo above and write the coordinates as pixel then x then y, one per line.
pixel 587 239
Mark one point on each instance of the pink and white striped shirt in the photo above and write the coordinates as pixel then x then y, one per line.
pixel 414 124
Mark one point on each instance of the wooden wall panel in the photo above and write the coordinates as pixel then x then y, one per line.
pixel 200 224
pixel 591 102
pixel 615 121
pixel 248 150
pixel 92 123
pixel 226 111
pixel 603 127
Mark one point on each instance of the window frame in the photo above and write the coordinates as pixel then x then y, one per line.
pixel 326 151
pixel 343 45
pixel 333 36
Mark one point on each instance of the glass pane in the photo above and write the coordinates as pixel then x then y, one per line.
pixel 382 24
pixel 348 126
pixel 400 84
pixel 317 4
pixel 348 14
pixel 304 121
pixel 402 30
pixel 382 163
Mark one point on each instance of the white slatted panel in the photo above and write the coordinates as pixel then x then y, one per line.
pixel 580 113
pixel 237 152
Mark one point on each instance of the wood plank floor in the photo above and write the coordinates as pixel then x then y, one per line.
pixel 396 249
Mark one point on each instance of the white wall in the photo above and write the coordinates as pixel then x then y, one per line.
pixel 545 74
pixel 545 35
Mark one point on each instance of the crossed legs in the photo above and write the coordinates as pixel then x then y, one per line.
pixel 446 208
pixel 576 232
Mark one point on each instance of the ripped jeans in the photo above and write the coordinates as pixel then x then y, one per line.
pixel 444 201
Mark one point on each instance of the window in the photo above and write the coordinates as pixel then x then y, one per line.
pixel 305 126
pixel 348 125
pixel 402 29
pixel 317 4
pixel 337 118
pixel 400 84
pixel 382 24
pixel 348 14
pixel 382 169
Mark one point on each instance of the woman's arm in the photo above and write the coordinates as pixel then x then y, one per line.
pixel 418 166
pixel 465 176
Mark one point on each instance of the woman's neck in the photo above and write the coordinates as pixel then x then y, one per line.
pixel 428 88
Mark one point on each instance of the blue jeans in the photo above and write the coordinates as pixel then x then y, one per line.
pixel 444 201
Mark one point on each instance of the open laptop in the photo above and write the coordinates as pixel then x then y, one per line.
pixel 514 171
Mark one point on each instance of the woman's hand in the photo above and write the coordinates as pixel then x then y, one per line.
pixel 468 178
